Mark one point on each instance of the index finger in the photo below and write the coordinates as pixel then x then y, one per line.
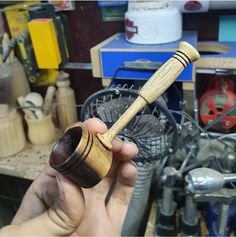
pixel 121 149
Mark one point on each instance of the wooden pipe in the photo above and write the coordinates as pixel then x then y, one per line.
pixel 86 158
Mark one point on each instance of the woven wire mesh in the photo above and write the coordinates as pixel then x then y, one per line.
pixel 153 129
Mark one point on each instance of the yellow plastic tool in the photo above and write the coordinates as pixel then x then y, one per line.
pixel 44 40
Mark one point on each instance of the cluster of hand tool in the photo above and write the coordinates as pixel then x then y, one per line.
pixel 198 193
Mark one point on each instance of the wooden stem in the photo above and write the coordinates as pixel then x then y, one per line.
pixel 153 88
pixel 48 99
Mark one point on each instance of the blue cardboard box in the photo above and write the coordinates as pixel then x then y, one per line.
pixel 111 55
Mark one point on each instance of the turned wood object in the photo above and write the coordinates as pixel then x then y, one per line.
pixel 19 82
pixel 48 99
pixel 41 131
pixel 12 137
pixel 85 158
pixel 66 104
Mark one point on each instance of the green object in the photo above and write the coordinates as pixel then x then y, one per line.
pixel 113 13
pixel 227 28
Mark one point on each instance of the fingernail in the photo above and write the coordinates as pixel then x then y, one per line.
pixel 61 192
pixel 131 143
pixel 118 139
pixel 101 122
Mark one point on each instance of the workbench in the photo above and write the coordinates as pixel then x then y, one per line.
pixel 28 163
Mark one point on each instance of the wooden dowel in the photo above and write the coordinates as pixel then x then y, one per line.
pixel 48 99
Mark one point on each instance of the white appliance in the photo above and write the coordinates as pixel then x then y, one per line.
pixel 152 22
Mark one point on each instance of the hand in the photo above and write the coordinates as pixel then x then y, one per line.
pixel 53 205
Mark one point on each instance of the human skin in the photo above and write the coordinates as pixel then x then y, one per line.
pixel 53 205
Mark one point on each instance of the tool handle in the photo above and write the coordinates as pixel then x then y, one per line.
pixel 168 72
pixel 48 99
pixel 153 88
pixel 230 177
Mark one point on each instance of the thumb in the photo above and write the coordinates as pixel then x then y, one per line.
pixel 62 219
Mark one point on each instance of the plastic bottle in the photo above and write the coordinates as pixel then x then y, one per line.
pixel 65 99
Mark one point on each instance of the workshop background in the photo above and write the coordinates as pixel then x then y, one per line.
pixel 183 136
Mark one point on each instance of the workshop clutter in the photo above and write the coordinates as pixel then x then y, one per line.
pixel 41 38
pixel 41 129
pixel 189 171
pixel 186 167
pixel 38 111
pixel 194 181
pixel 219 98
pixel 196 190
pixel 13 81
pixel 45 118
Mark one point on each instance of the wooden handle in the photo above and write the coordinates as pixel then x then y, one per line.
pixel 168 72
pixel 4 110
pixel 48 99
pixel 153 88
pixel 5 45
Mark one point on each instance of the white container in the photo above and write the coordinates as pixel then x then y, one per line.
pixel 153 27
pixel 146 5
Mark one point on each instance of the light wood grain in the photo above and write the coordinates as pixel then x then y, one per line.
pixel 4 109
pixel 153 88
pixel 209 61
pixel 41 131
pixel 95 56
pixel 48 99
pixel 29 162
pixel 213 47
pixel 19 83
pixel 81 157
pixel 66 104
pixel 12 137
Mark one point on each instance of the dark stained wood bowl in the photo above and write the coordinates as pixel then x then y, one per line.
pixel 81 157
